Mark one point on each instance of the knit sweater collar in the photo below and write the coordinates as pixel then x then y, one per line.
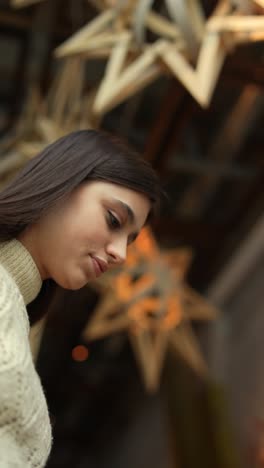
pixel 17 260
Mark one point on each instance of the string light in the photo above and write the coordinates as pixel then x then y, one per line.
pixel 80 353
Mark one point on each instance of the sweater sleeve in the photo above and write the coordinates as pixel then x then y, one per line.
pixel 10 454
pixel 14 357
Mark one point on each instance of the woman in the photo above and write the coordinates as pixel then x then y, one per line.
pixel 68 216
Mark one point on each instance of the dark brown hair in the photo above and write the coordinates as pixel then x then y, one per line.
pixel 54 173
pixel 61 167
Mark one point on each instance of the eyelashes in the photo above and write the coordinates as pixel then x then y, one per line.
pixel 114 225
pixel 112 221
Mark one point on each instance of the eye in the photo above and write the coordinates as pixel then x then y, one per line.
pixel 112 220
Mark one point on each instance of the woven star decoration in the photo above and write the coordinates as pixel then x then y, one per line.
pixel 150 300
pixel 188 45
pixel 191 47
pixel 44 119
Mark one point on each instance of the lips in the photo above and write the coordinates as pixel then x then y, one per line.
pixel 100 266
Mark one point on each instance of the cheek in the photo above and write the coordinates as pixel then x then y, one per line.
pixel 77 232
pixel 91 236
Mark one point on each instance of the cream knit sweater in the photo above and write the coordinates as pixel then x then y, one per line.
pixel 25 430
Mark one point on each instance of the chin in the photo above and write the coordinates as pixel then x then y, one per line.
pixel 76 285
pixel 74 276
pixel 73 283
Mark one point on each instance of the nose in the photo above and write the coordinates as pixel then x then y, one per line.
pixel 117 251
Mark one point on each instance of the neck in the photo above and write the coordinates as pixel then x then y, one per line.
pixel 26 238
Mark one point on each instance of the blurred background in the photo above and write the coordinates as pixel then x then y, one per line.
pixel 208 149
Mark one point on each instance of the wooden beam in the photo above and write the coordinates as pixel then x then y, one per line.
pixel 39 41
pixel 206 167
pixel 246 255
pixel 181 118
pixel 225 146
pixel 13 19
pixel 158 131
pixel 23 3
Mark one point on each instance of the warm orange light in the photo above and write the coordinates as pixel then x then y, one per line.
pixel 146 243
pixel 150 299
pixel 146 313
pixel 80 353
pixel 174 313
pixel 125 287
pixel 158 312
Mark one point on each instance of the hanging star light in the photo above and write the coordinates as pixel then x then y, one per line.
pixel 150 300
pixel 44 119
pixel 130 67
pixel 190 47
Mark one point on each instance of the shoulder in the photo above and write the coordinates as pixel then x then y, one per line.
pixel 9 292
pixel 13 315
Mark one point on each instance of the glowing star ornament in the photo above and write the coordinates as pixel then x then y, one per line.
pixel 150 300
pixel 44 119
pixel 130 67
pixel 189 46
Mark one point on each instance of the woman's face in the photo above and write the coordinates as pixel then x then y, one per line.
pixel 87 234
